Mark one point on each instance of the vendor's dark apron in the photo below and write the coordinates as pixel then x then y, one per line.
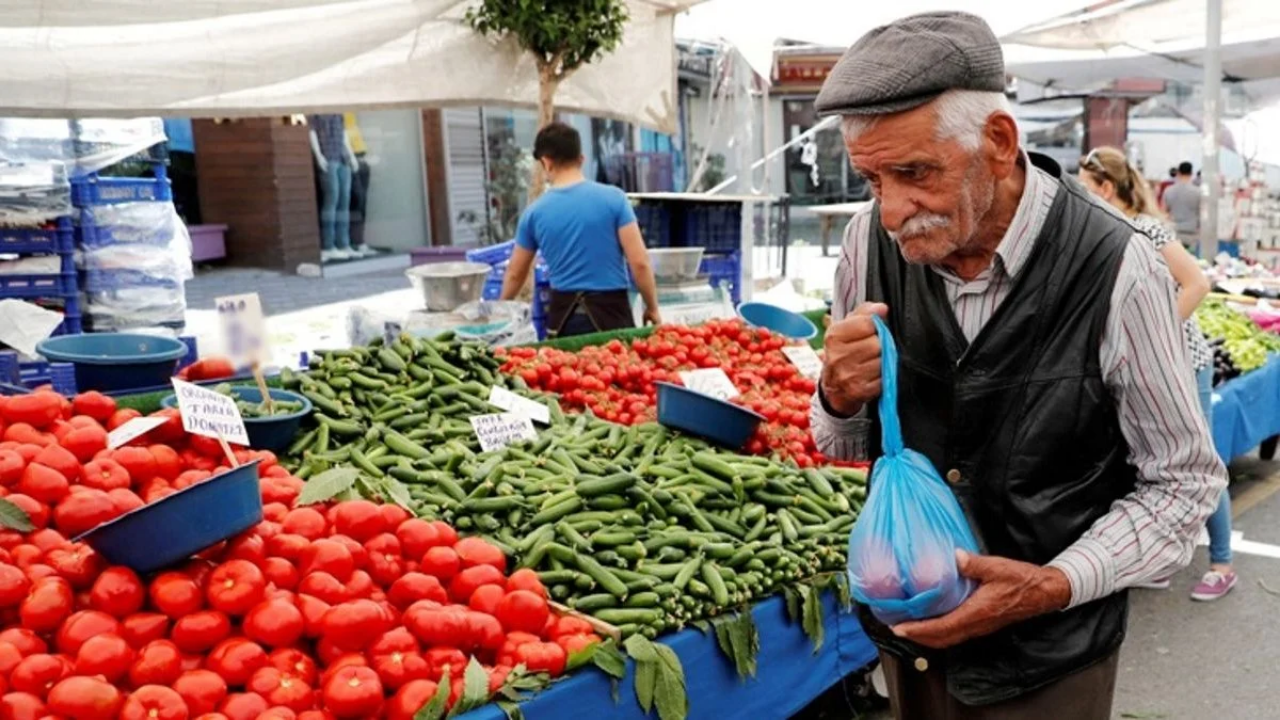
pixel 603 311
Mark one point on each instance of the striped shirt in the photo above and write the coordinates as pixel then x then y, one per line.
pixel 1151 532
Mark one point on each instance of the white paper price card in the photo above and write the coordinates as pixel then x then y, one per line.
pixel 244 330
pixel 502 429
pixel 710 381
pixel 207 413
pixel 512 402
pixel 805 360
pixel 133 430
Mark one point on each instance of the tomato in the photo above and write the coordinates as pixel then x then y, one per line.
pixel 10 656
pixel 244 706
pixel 446 659
pixel 353 692
pixel 153 702
pixel 324 586
pixel 47 606
pixel 353 625
pixel 412 587
pixel 526 579
pixel 38 409
pixel 570 625
pixel 125 500
pixel 397 668
pixel 78 564
pixel 118 592
pixel 236 586
pixel 329 556
pixel 542 657
pixel 199 631
pixel 106 655
pixel 175 594
pixel 461 587
pixel 236 660
pixel 313 611
pixel 201 690
pixel 296 663
pixel 486 599
pixel 474 551
pixel 11 467
pixel 14 585
pixel 83 698
pixel 84 443
pixel 410 698
pixel 83 625
pixel 36 674
pixel 27 642
pixel 359 586
pixel 483 632
pixel 22 706
pixel 140 629
pixel 306 522
pixel 43 483
pixel 37 511
pixel 448 536
pixel 436 626
pixel 360 520
pixel 576 643
pixel 281 689
pixel 275 623
pixel 159 662
pixel 82 511
pixel 441 562
pixel 95 405
pixel 137 461
pixel 383 558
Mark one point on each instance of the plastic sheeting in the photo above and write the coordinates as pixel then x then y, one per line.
pixel 263 57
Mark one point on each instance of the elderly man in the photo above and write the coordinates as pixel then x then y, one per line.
pixel 1041 371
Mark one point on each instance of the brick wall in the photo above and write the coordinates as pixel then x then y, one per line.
pixel 255 176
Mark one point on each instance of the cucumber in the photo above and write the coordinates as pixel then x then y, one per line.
pixel 601 575
pixel 593 603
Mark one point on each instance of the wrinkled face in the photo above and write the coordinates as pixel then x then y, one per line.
pixel 933 193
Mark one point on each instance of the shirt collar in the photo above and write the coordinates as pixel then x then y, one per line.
pixel 1028 220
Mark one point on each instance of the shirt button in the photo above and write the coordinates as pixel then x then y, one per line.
pixel 953 476
pixel 922 664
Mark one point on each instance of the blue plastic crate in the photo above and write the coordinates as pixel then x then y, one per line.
pixel 728 264
pixel 29 375
pixel 39 241
pixel 95 190
pixel 96 281
pixel 492 288
pixel 55 285
pixel 540 327
pixel 655 224
pixel 493 254
pixel 714 226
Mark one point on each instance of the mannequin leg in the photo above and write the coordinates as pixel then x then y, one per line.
pixel 342 218
pixel 359 203
pixel 328 206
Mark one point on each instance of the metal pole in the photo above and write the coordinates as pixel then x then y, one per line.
pixel 826 123
pixel 1211 190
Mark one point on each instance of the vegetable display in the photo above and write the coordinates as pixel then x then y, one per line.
pixel 617 381
pixel 324 610
pixel 259 409
pixel 1245 345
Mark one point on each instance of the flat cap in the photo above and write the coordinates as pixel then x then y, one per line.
pixel 911 61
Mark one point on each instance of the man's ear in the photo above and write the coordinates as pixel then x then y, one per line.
pixel 1000 143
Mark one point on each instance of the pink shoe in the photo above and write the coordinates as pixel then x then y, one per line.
pixel 1214 585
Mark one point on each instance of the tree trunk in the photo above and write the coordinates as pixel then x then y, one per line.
pixel 547 86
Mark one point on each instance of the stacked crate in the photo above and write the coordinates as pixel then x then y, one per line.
pixel 57 289
pixel 715 226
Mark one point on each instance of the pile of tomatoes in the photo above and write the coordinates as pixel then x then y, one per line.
pixel 616 381
pixel 339 610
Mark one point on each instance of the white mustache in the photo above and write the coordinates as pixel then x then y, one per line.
pixel 920 224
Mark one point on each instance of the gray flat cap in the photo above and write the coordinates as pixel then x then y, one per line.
pixel 911 61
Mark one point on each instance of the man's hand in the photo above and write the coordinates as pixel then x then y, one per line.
pixel 851 373
pixel 652 316
pixel 1009 591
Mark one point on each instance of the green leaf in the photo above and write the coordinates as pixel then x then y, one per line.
pixel 641 649
pixel 646 683
pixel 435 709
pixel 670 661
pixel 609 659
pixel 510 693
pixel 812 621
pixel 397 493
pixel 581 657
pixel 702 625
pixel 13 517
pixel 475 686
pixel 510 709
pixel 722 637
pixel 327 485
pixel 793 603
pixel 841 581
pixel 670 695
pixel 741 632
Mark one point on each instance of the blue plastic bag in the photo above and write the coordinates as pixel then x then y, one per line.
pixel 902 551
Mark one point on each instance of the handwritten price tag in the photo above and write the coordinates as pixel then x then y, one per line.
pixel 207 413
pixel 502 429
pixel 132 430
pixel 512 402
pixel 244 329
pixel 805 360
pixel 711 382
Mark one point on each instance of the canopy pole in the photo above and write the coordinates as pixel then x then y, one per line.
pixel 822 125
pixel 1211 189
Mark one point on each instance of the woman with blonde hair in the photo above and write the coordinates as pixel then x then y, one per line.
pixel 1109 175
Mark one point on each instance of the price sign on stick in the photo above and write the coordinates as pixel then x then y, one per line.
pixel 502 429
pixel 244 330
pixel 512 402
pixel 133 429
pixel 207 413
pixel 805 360
pixel 711 381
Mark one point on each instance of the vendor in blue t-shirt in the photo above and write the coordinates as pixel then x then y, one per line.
pixel 588 234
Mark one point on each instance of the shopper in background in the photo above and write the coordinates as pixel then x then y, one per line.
pixel 1182 199
pixel 588 234
pixel 1040 364
pixel 1165 184
pixel 1107 173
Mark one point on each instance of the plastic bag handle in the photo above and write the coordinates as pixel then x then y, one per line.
pixel 890 426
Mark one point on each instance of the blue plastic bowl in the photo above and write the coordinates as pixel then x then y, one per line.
pixel 273 433
pixel 173 529
pixel 783 322
pixel 720 422
pixel 116 361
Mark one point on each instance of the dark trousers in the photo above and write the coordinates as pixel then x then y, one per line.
pixel 916 694
pixel 359 201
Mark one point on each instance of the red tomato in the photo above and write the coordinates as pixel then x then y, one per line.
pixel 274 623
pixel 14 586
pixel 410 698
pixel 106 655
pixel 353 625
pixel 153 702
pixel 22 706
pixel 360 520
pixel 461 587
pixel 37 511
pixel 297 663
pixel 26 641
pixel 353 692
pixel 236 660
pixel 442 563
pixel 542 657
pixel 244 706
pixel 159 662
pixel 175 594
pixel 83 511
pixel 47 606
pixel 486 599
pixel 412 587
pixel 43 483
pixel 11 467
pixel 236 586
pixel 199 631
pixel 281 689
pixel 83 443
pixel 37 674
pixel 83 625
pixel 306 522
pixel 397 668
pixel 329 556
pixel 474 551
pixel 526 579
pixel 117 592
pixel 140 629
pixel 139 462
pixel 84 698
pixel 202 690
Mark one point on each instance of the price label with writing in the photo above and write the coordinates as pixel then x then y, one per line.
pixel 207 413
pixel 512 402
pixel 133 430
pixel 244 330
pixel 499 430
pixel 710 381
pixel 805 360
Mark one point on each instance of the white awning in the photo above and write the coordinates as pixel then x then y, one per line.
pixel 265 57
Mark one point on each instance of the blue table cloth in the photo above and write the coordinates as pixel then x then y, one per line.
pixel 790 674
pixel 1246 410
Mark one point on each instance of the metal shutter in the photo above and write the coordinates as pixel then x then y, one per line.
pixel 464 143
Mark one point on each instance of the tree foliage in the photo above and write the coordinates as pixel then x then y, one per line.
pixel 562 35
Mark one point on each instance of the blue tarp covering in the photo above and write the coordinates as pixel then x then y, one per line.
pixel 790 674
pixel 1246 410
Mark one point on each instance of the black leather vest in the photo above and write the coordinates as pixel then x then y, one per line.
pixel 1021 424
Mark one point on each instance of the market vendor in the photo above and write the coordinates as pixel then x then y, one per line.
pixel 1042 371
pixel 588 234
